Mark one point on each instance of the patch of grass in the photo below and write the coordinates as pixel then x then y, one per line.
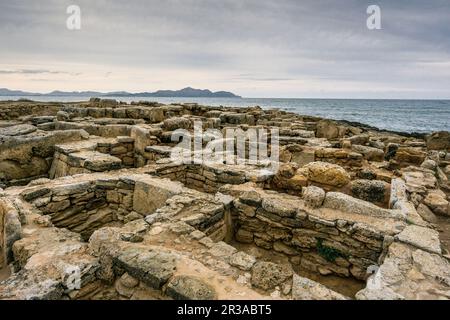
pixel 328 253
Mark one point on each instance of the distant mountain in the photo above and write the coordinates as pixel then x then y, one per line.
pixel 184 93
pixel 6 92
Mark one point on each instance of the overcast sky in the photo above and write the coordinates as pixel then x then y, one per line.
pixel 254 48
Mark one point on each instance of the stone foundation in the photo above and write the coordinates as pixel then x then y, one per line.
pixel 318 239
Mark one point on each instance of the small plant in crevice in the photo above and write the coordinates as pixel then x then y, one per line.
pixel 328 253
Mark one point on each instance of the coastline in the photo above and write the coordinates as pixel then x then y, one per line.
pixel 179 100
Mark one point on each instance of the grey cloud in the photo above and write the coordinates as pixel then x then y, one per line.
pixel 269 41
pixel 35 71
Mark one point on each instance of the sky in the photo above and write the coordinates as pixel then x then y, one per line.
pixel 254 48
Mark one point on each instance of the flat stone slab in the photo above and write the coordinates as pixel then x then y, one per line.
pixel 419 182
pixel 72 147
pixel 287 140
pixel 421 237
pixel 125 139
pixel 97 161
pixel 242 260
pixel 189 288
pixel 154 268
pixel 306 289
pixel 17 130
pixel 42 119
pixel 221 249
pixel 346 203
pixel 151 194
pixel 163 150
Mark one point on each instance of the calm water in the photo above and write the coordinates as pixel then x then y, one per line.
pixel 397 115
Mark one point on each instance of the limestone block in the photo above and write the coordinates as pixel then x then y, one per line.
pixel 150 194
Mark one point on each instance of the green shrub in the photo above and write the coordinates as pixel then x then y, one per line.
pixel 328 253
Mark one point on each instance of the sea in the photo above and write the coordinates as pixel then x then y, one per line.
pixel 420 116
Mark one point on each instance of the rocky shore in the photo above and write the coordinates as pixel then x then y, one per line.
pixel 93 207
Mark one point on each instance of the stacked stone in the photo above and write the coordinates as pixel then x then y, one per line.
pixel 66 164
pixel 279 222
pixel 343 157
pixel 422 186
pixel 208 178
pixel 123 149
pixel 86 206
pixel 172 171
pixel 14 110
pixel 154 153
pixel 28 157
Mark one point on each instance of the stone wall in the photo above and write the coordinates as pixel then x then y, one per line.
pixel 10 111
pixel 102 130
pixel 210 178
pixel 25 158
pixel 150 114
pixel 342 157
pixel 342 242
pixel 94 156
pixel 83 207
pixel 122 148
pixel 143 136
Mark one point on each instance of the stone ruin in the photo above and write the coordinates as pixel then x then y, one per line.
pixel 92 207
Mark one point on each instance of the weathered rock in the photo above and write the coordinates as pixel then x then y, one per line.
pixel 439 141
pixel 326 173
pixel 154 268
pixel 189 288
pixel 345 203
pixel 181 227
pixel 242 260
pixel 369 153
pixel 436 202
pixel 17 130
pixel 221 249
pixel 244 236
pixel 329 129
pixel 398 191
pixel 313 196
pixel 426 213
pixel 99 162
pixel 128 281
pixel 268 275
pixel 403 268
pixel 409 155
pixel 423 238
pixel 419 182
pixel 176 123
pixel 359 139
pixel 150 194
pixel 306 289
pixel 278 207
pixel 367 174
pixel 62 116
pixel 155 238
pixel 69 189
pixel 429 164
pixel 370 190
